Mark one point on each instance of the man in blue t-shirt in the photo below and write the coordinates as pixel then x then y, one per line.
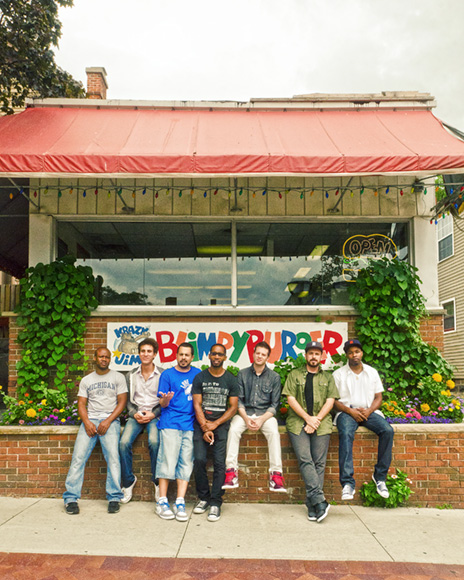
pixel 175 455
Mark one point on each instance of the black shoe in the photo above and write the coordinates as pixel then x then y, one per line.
pixel 113 507
pixel 322 509
pixel 72 508
pixel 312 514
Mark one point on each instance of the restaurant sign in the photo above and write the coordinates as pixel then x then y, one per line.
pixel 239 339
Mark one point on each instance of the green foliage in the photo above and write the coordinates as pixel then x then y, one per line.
pixel 283 368
pixel 398 486
pixel 387 295
pixel 444 506
pixel 28 31
pixel 56 298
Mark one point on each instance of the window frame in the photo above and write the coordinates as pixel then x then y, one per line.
pixel 448 220
pixel 453 302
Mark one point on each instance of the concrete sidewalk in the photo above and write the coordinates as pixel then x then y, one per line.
pixel 255 531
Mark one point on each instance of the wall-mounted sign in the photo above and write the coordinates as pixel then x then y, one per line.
pixel 239 339
pixel 359 248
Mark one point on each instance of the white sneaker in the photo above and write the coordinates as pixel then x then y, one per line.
pixel 179 510
pixel 348 492
pixel 164 511
pixel 127 491
pixel 381 488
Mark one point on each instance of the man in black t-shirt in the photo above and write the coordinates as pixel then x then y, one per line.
pixel 215 400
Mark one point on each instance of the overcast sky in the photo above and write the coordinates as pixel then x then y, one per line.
pixel 211 49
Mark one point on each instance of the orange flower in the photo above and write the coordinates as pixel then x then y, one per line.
pixel 450 384
pixel 437 377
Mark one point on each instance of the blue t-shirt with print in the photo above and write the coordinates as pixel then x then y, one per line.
pixel 179 414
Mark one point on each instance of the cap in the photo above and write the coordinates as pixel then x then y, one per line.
pixel 314 344
pixel 353 342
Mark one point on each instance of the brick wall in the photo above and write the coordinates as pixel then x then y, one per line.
pixel 34 462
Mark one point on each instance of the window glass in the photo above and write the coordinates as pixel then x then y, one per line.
pixel 309 264
pixel 449 319
pixel 278 264
pixel 156 263
pixel 445 237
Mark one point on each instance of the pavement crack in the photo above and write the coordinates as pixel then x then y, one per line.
pixel 16 514
pixel 373 535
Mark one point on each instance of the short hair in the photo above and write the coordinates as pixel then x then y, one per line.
pixel 263 344
pixel 100 348
pixel 220 345
pixel 186 345
pixel 150 342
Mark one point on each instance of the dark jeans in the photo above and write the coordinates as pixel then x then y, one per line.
pixel 311 452
pixel 200 451
pixel 347 427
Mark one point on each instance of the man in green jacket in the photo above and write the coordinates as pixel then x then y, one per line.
pixel 311 393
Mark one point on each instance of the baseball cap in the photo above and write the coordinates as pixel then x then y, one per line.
pixel 314 344
pixel 353 342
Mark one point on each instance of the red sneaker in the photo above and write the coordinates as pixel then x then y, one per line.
pixel 231 479
pixel 276 482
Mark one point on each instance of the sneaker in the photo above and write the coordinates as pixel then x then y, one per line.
pixel 381 488
pixel 322 509
pixel 179 509
pixel 127 491
pixel 113 507
pixel 231 479
pixel 157 491
pixel 312 514
pixel 348 492
pixel 201 507
pixel 72 508
pixel 164 511
pixel 276 482
pixel 214 513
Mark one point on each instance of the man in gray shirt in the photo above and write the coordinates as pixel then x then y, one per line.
pixel 101 399
pixel 259 397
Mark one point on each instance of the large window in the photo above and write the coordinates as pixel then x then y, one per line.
pixel 445 237
pixel 229 263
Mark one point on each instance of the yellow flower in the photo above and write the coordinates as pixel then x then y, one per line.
pixel 1 387
pixel 443 392
pixel 397 412
pixel 43 402
pixel 437 377
pixel 63 420
pixel 455 402
pixel 61 410
pixel 31 413
pixel 448 392
pixel 21 403
pixel 425 407
pixel 450 384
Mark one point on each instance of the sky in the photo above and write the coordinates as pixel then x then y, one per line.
pixel 216 50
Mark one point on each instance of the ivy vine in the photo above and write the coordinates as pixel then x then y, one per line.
pixel 390 304
pixel 55 300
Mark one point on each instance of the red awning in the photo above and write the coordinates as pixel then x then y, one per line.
pixel 122 142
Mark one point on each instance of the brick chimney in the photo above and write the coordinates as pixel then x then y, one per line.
pixel 96 82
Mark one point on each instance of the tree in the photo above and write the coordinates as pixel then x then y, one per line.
pixel 28 30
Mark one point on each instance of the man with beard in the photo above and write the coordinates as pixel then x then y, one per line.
pixel 175 455
pixel 311 393
pixel 360 391
pixel 215 399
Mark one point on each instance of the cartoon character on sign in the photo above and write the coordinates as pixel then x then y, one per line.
pixel 129 344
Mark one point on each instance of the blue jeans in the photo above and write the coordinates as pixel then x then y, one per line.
pixel 83 447
pixel 131 431
pixel 311 452
pixel 347 427
pixel 175 455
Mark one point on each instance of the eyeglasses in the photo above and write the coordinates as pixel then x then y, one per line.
pixel 221 354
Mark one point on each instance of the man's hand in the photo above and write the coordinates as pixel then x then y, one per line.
pixel 165 398
pixel 210 426
pixel 209 437
pixel 308 429
pixel 313 422
pixel 103 427
pixel 144 417
pixel 255 424
pixel 90 428
pixel 358 415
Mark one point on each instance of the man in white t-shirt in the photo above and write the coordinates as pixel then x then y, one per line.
pixel 360 390
pixel 101 399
